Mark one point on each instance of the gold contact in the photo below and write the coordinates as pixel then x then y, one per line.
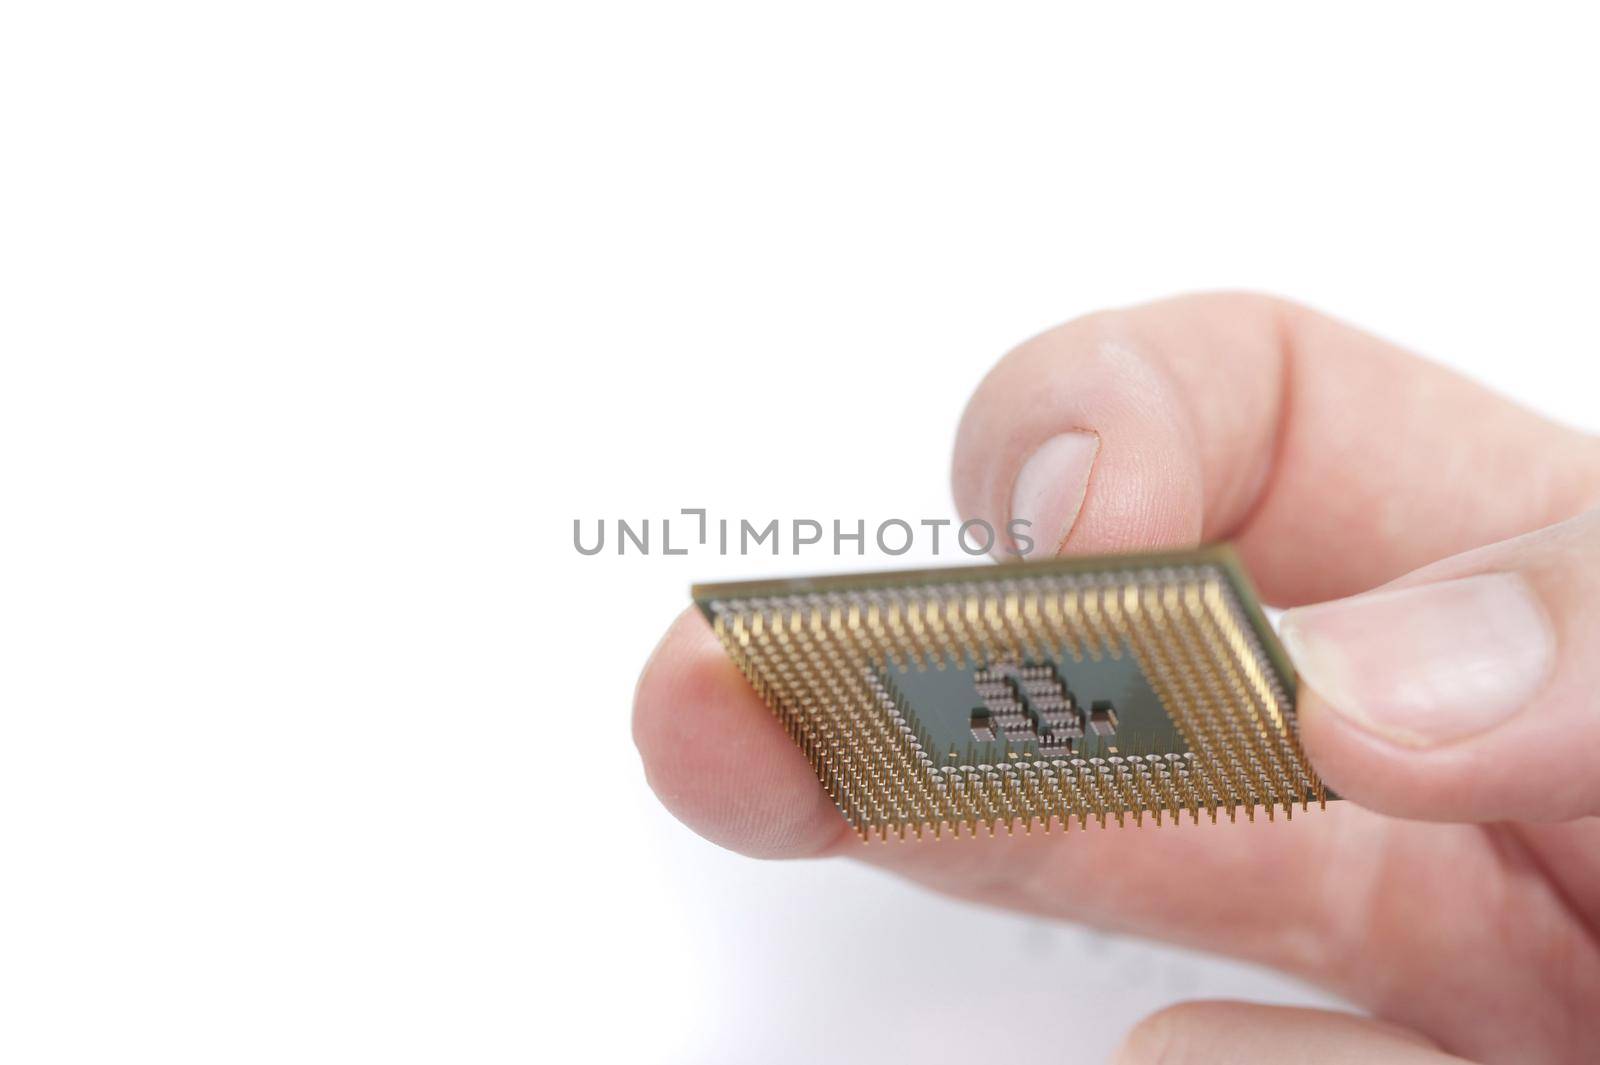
pixel 816 652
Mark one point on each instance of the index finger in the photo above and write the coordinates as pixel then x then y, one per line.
pixel 1335 460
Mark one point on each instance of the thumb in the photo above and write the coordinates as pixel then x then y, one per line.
pixel 1466 691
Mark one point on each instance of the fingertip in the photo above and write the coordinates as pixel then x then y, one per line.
pixel 1079 432
pixel 1475 780
pixel 1359 767
pixel 717 758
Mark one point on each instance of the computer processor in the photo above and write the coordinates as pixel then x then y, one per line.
pixel 1027 696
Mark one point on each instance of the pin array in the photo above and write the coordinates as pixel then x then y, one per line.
pixel 814 658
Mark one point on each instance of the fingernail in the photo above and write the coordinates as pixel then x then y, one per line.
pixel 1049 490
pixel 1426 665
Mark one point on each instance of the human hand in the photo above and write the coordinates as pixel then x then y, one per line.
pixel 1457 895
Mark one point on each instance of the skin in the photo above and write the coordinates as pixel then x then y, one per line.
pixel 1456 897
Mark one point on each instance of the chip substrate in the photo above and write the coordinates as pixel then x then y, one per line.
pixel 1027 695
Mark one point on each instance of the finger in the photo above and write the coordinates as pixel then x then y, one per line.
pixel 717 758
pixel 1239 1033
pixel 720 761
pixel 1336 461
pixel 1469 690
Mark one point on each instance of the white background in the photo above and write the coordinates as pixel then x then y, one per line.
pixel 321 322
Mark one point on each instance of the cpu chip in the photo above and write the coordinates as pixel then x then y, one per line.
pixel 1028 695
